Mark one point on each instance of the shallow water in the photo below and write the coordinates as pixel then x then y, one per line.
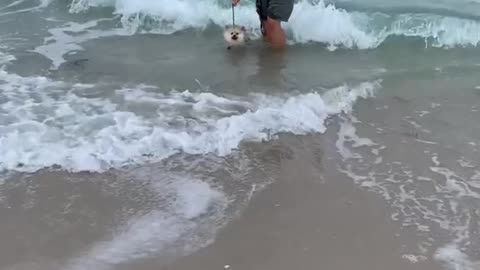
pixel 142 98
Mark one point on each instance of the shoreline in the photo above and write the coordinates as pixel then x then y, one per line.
pixel 303 222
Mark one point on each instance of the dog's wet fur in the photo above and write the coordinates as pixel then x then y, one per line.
pixel 235 35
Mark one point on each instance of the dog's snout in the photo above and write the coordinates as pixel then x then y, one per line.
pixel 234 37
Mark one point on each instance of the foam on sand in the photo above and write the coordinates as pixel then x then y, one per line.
pixel 435 195
pixel 174 227
pixel 454 258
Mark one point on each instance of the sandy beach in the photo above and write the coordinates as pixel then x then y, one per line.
pixel 308 221
pixel 132 139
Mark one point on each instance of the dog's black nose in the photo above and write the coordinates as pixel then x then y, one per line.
pixel 234 37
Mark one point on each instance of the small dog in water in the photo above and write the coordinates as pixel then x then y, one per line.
pixel 235 35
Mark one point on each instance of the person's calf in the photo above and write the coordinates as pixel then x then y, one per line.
pixel 274 33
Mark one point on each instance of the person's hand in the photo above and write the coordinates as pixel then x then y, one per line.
pixel 235 2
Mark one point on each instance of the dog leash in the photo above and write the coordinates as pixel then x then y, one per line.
pixel 233 15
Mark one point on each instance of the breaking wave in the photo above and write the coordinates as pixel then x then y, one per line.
pixel 309 22
pixel 45 123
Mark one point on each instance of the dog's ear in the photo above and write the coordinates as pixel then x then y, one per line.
pixel 226 26
pixel 243 28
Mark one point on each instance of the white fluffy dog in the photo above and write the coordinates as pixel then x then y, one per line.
pixel 235 35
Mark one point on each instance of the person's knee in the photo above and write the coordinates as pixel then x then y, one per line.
pixel 272 25
pixel 275 33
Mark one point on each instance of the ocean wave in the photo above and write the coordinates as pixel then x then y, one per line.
pixel 320 22
pixel 46 123
pixel 4 57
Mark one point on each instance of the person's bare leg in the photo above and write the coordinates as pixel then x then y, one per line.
pixel 275 35
pixel 264 32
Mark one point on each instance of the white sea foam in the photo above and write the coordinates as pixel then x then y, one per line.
pixel 175 227
pixel 414 258
pixel 440 200
pixel 454 258
pixel 309 22
pixel 22 6
pixel 5 57
pixel 81 5
pixel 67 38
pixel 46 123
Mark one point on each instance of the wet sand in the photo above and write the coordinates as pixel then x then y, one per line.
pixel 312 215
pixel 305 222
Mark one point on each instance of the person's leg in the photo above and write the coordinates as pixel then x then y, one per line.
pixel 275 35
pixel 262 7
pixel 276 11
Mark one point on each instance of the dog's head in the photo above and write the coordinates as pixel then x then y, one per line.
pixel 235 35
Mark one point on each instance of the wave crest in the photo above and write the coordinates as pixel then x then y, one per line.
pixel 44 125
pixel 310 22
